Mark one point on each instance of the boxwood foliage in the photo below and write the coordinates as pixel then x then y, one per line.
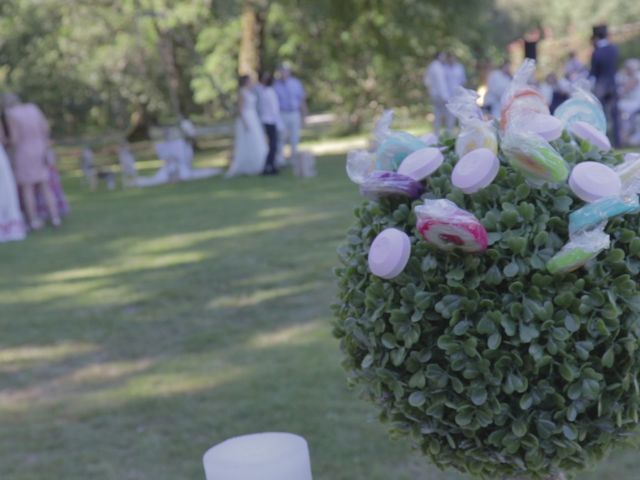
pixel 493 365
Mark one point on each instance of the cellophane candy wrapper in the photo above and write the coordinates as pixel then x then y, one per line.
pixel 389 184
pixel 629 173
pixel 582 106
pixel 360 164
pixel 595 213
pixel 395 148
pixel 581 248
pixel 520 96
pixel 534 157
pixel 392 147
pixel 475 132
pixel 443 224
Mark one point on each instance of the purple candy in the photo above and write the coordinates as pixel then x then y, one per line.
pixel 382 183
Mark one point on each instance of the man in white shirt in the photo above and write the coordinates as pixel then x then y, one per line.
pixel 456 75
pixel 497 83
pixel 435 80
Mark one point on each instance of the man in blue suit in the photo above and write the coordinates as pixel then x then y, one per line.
pixel 604 64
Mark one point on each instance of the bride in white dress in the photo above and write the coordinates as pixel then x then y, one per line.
pixel 250 146
pixel 12 226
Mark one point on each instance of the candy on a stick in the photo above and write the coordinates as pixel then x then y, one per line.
pixel 475 171
pixel 593 214
pixel 520 97
pixel 389 253
pixel 421 163
pixel 582 248
pixel 590 134
pixel 591 181
pixel 390 184
pixel 534 157
pixel 583 106
pixel 475 132
pixel 443 224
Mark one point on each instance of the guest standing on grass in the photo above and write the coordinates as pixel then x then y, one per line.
pixel 12 226
pixel 250 146
pixel 497 84
pixel 271 119
pixel 293 107
pixel 28 138
pixel 604 66
pixel 436 82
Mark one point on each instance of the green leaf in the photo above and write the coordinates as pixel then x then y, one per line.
pixel 528 332
pixel 494 341
pixel 511 270
pixel 608 358
pixel 367 361
pixel 486 326
pixel 478 396
pixel 417 380
pixel 417 399
pixel 519 428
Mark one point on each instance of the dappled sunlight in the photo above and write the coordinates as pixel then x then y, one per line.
pixel 62 386
pixel 280 212
pixel 267 279
pixel 254 298
pixel 28 356
pixel 128 263
pixel 336 146
pixel 158 385
pixel 299 334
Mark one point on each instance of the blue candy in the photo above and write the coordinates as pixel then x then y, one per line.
pixel 395 148
pixel 600 211
pixel 581 110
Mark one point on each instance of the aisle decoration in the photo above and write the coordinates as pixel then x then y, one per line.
pixel 502 335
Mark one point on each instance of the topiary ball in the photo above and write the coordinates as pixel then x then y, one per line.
pixel 491 364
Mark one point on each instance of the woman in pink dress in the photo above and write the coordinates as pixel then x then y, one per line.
pixel 28 133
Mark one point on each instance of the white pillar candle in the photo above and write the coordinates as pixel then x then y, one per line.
pixel 260 456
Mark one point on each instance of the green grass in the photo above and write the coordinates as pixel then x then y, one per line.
pixel 159 322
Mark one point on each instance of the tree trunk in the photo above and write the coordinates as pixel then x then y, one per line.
pixel 252 44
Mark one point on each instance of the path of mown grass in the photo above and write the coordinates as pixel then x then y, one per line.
pixel 159 322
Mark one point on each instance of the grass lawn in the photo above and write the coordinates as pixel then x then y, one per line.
pixel 159 322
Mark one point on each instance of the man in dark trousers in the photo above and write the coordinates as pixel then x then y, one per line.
pixel 604 64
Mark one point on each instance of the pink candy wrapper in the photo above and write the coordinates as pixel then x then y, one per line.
pixel 443 224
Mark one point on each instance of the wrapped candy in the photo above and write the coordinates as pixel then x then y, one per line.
pixel 474 131
pixel 475 171
pixel 360 164
pixel 389 184
pixel 594 214
pixel 591 181
pixel 545 125
pixel 521 98
pixel 443 224
pixel 583 106
pixel 629 172
pixel 421 163
pixel 389 253
pixel 393 147
pixel 534 157
pixel 591 135
pixel 582 248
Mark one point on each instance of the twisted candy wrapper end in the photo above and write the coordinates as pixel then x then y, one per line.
pixel 390 184
pixel 383 126
pixel 463 105
pixel 583 247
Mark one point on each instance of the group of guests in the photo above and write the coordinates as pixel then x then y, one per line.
pixel 270 115
pixel 617 90
pixel 30 190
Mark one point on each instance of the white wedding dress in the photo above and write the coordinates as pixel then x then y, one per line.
pixel 12 226
pixel 250 145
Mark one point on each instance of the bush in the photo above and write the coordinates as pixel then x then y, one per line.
pixel 491 364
